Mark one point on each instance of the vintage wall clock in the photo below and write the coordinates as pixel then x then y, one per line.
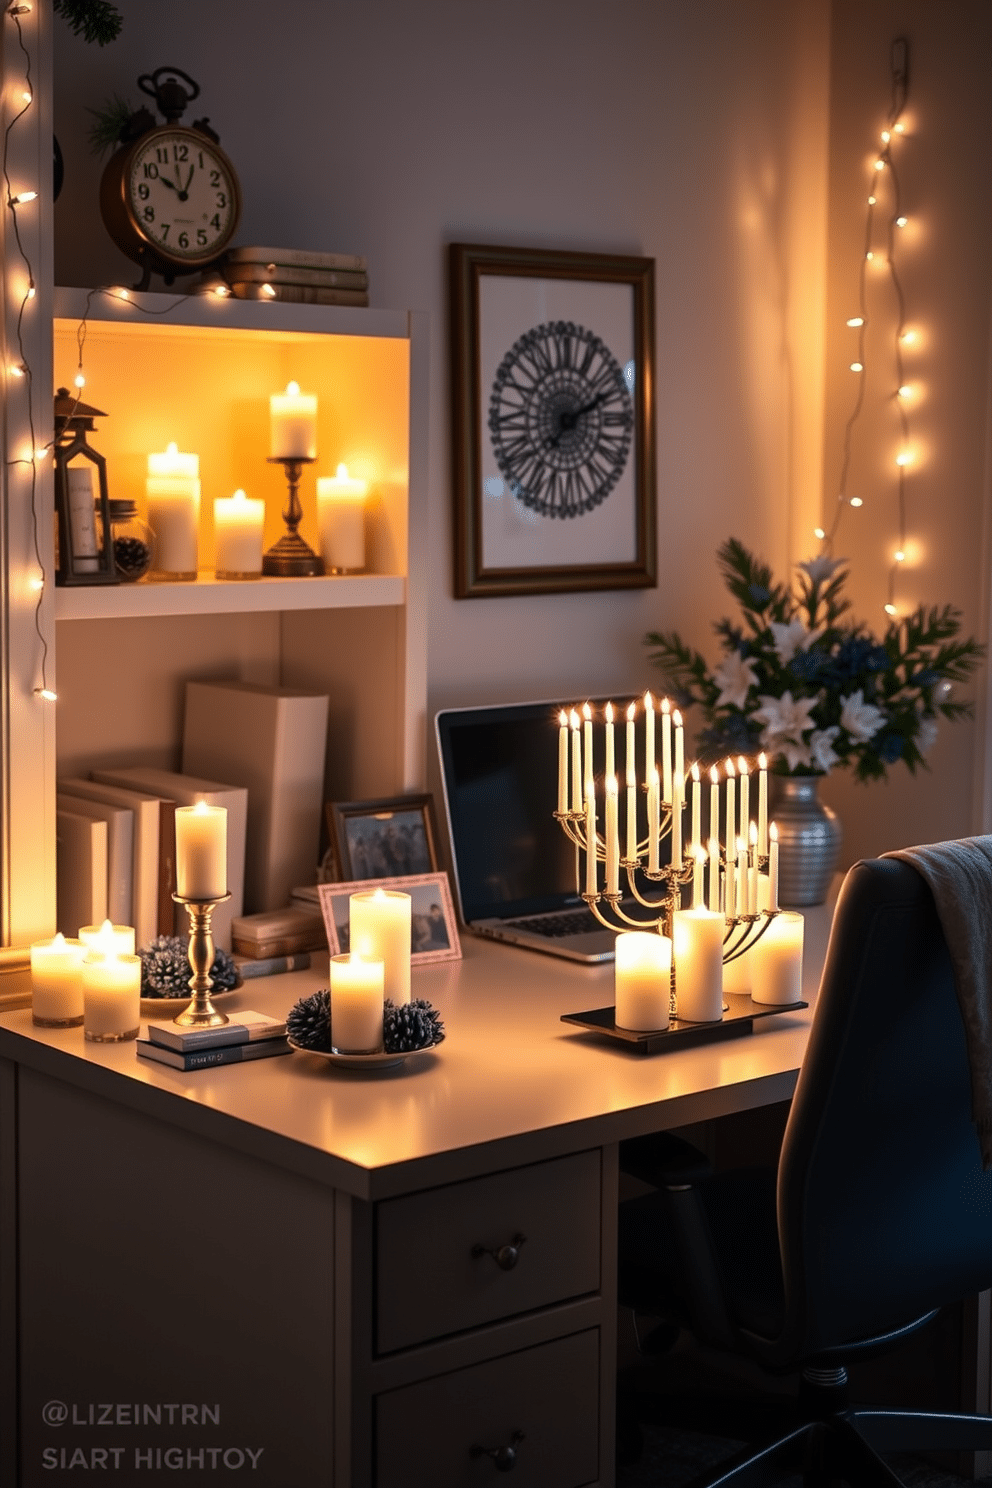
pixel 552 420
pixel 561 419
pixel 170 197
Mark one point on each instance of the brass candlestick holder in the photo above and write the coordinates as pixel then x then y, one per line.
pixel 201 1012
pixel 291 557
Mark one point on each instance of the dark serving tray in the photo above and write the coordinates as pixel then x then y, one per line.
pixel 735 1023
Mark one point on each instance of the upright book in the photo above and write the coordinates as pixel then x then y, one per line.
pixel 147 812
pixel 186 790
pixel 120 849
pixel 81 871
pixel 272 741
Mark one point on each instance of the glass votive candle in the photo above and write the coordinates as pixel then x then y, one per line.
pixel 111 997
pixel 108 939
pixel 379 930
pixel 357 993
pixel 57 982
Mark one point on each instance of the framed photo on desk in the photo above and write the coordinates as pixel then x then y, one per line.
pixel 433 928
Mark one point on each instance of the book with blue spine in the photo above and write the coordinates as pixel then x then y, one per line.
pixel 207 1058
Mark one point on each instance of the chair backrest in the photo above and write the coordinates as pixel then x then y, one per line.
pixel 884 1211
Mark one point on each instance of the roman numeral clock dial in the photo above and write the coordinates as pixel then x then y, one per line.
pixel 170 197
pixel 561 420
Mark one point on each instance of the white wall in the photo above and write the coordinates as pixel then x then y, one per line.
pixel 945 261
pixel 691 132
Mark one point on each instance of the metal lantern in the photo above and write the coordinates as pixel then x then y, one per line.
pixel 85 538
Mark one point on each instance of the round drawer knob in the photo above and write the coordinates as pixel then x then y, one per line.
pixel 504 1458
pixel 505 1256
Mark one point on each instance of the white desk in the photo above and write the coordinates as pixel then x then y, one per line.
pixel 286 1249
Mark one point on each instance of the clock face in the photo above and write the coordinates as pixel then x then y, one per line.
pixel 561 419
pixel 183 195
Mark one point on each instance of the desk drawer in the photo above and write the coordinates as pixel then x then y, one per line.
pixel 432 1277
pixel 425 1433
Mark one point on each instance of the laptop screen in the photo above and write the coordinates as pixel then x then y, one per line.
pixel 500 773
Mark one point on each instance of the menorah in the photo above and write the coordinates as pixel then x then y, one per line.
pixel 735 869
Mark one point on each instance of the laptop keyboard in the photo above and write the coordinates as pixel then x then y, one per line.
pixel 562 922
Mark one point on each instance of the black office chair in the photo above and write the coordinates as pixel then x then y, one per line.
pixel 879 1213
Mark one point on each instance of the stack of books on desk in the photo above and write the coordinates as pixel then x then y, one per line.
pixel 248 1036
pixel 294 274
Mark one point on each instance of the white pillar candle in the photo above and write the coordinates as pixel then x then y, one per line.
pixel 562 762
pixel 592 880
pixel 714 901
pixel 111 997
pixel 201 851
pixel 762 806
pixel 773 866
pixel 57 982
pixel 357 993
pixel 576 761
pixel 238 525
pixel 612 837
pixel 777 961
pixel 610 742
pixel 643 971
pixel 730 834
pixel 745 798
pixel 108 939
pixel 341 521
pixel 589 769
pixel 293 424
pixel 696 809
pixel 380 931
pixel 173 492
pixel 698 948
pixel 737 974
pixel 630 762
pixel 666 751
pixel 714 802
pixel 752 877
pixel 654 822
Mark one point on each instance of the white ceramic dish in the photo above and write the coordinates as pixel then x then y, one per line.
pixel 362 1061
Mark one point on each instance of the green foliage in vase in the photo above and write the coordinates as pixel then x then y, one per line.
pixel 812 688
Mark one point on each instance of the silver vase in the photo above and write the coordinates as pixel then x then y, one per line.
pixel 809 836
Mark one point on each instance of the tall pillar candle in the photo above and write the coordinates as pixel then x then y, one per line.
pixel 293 424
pixel 592 880
pixel 630 761
pixel 576 761
pixel 111 997
pixel 738 973
pixel 650 761
pixel 173 492
pixel 777 961
pixel 643 972
pixel 612 837
pixel 696 809
pixel 654 822
pixel 57 982
pixel 238 527
pixel 745 798
pixel 341 521
pixel 731 832
pixel 562 762
pixel 610 767
pixel 201 851
pixel 678 768
pixel 762 806
pixel 357 993
pixel 666 751
pixel 588 765
pixel 698 949
pixel 380 931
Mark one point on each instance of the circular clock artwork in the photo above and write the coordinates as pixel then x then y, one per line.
pixel 561 420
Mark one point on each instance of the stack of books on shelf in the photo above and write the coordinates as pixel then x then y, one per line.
pixel 294 274
pixel 247 1036
pixel 278 940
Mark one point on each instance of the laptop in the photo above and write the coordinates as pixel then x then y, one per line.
pixel 515 870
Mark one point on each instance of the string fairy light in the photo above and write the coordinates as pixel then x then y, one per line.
pixel 20 370
pixel 883 171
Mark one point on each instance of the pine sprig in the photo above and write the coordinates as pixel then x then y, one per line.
pixel 94 20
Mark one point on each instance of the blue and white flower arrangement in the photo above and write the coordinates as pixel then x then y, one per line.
pixel 812 688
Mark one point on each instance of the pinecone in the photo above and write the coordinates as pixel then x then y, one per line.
pixel 414 1025
pixel 165 968
pixel 308 1022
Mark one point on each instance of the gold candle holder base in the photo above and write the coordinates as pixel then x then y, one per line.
pixel 201 1012
pixel 112 1038
pixel 291 557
